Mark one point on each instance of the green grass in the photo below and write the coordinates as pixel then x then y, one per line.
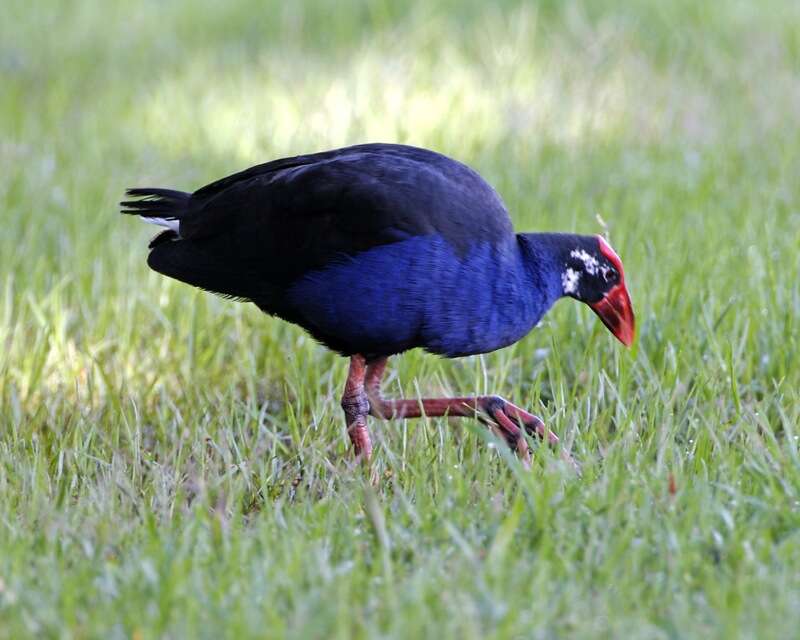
pixel 175 465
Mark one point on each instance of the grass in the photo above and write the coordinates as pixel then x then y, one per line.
pixel 175 465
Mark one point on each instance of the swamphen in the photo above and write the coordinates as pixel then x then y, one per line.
pixel 379 248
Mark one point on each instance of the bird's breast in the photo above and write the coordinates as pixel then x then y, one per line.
pixel 420 292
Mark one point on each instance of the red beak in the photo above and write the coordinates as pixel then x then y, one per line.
pixel 616 312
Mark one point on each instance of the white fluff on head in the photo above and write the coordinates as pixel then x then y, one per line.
pixel 589 261
pixel 569 280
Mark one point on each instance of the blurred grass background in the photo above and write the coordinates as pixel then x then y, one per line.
pixel 175 465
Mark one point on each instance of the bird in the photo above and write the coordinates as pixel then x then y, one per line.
pixel 379 248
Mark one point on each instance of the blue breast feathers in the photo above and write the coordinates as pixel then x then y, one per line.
pixel 421 293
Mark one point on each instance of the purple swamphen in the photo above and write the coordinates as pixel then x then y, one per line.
pixel 379 248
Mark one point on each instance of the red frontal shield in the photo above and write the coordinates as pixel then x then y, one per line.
pixel 615 308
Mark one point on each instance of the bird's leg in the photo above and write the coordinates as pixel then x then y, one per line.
pixel 504 418
pixel 356 407
pixel 372 380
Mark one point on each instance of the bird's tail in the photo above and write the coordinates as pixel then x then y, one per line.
pixel 163 207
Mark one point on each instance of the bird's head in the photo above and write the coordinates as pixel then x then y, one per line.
pixel 592 273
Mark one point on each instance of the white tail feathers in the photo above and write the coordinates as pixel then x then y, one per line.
pixel 163 222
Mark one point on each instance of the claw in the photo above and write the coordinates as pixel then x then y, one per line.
pixel 512 435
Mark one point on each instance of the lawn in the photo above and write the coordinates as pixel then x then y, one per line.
pixel 175 465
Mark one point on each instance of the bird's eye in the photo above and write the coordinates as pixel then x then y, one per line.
pixel 610 274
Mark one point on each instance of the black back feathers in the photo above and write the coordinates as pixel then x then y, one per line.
pixel 253 233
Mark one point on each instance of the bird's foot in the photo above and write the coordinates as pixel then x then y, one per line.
pixel 496 416
pixel 509 418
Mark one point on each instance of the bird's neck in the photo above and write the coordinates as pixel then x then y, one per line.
pixel 544 256
pixel 482 301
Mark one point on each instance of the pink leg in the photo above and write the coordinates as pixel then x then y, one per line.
pixel 502 416
pixel 356 407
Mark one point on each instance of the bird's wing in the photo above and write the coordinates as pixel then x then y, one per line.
pixel 309 209
pixel 370 194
